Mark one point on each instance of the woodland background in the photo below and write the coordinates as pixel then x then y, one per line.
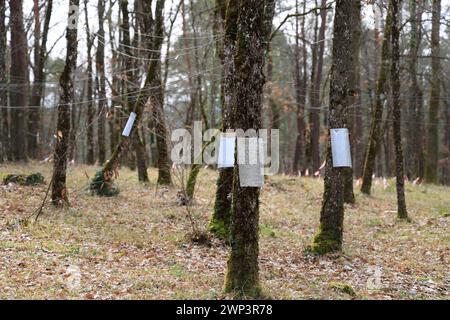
pixel 123 221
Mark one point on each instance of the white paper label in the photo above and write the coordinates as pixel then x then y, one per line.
pixel 340 148
pixel 227 145
pixel 251 162
pixel 129 125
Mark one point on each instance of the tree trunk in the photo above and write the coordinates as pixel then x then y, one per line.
pixel 129 82
pixel 446 173
pixel 377 114
pixel 89 93
pixel 101 83
pixel 4 148
pixel 103 181
pixel 19 80
pixel 275 115
pixel 357 119
pixel 131 86
pixel 396 126
pixel 316 81
pixel 40 54
pixel 329 237
pixel 59 190
pixel 74 111
pixel 139 147
pixel 300 93
pixel 414 130
pixel 220 220
pixel 190 114
pixel 354 88
pixel 115 65
pixel 433 113
pixel 157 101
pixel 254 27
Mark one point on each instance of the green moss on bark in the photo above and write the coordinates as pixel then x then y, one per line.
pixel 326 242
pixel 192 180
pixel 102 184
pixel 220 220
pixel 218 228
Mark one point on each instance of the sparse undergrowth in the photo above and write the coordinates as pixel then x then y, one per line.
pixel 140 245
pixel 32 179
pixel 103 184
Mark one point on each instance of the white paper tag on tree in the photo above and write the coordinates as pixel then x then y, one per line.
pixel 127 130
pixel 340 148
pixel 251 161
pixel 227 145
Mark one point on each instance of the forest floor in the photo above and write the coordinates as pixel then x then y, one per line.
pixel 134 246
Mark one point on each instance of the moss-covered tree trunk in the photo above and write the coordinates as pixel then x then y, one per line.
pixel 220 220
pixel 377 114
pixel 254 25
pixel 330 234
pixel 59 189
pixel 435 92
pixel 397 130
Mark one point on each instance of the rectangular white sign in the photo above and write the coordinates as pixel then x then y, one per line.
pixel 227 145
pixel 340 148
pixel 251 162
pixel 127 130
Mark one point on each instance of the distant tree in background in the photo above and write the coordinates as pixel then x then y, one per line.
pixel 396 123
pixel 19 81
pixel 373 143
pixel 435 93
pixel 101 82
pixel 90 155
pixel 4 123
pixel 40 57
pixel 59 188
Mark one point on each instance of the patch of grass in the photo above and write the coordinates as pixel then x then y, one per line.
pixel 442 210
pixel 375 222
pixel 343 287
pixel 266 230
pixel 177 270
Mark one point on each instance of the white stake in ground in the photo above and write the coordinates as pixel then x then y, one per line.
pixel 340 148
pixel 129 125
